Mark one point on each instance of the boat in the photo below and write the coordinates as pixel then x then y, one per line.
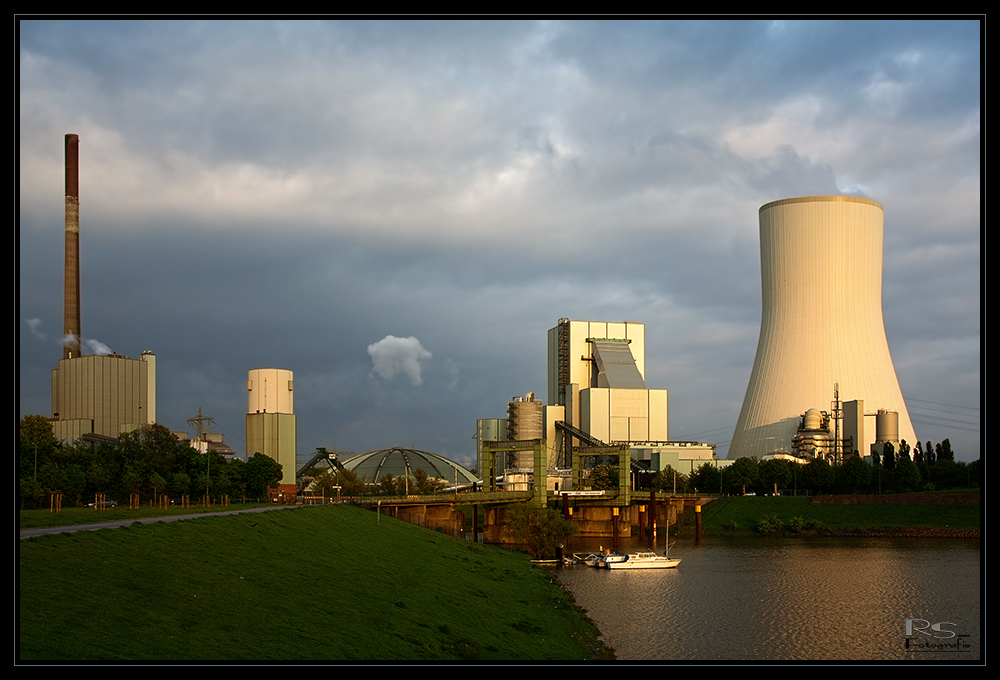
pixel 589 559
pixel 639 560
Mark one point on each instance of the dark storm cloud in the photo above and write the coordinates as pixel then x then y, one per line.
pixel 291 193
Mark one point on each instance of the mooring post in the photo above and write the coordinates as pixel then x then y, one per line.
pixel 697 524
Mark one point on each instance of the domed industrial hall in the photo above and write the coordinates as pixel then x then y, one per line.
pixel 400 462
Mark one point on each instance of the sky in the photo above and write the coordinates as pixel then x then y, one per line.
pixel 398 211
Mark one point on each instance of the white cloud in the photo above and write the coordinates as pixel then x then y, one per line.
pixel 392 355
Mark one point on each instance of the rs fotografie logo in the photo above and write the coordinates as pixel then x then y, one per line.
pixel 938 636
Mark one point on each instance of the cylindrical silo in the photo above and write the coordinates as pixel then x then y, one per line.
pixel 887 427
pixel 821 322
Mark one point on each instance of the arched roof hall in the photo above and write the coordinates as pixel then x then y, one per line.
pixel 399 462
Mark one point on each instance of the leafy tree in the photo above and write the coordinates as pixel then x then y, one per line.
pixel 817 474
pixel 906 475
pixel 180 484
pixel 36 445
pixel 74 483
pixel 888 456
pixel 904 450
pixel 154 446
pixel 349 481
pixel 262 473
pixel 948 474
pixel 540 530
pixel 945 452
pixel 157 483
pixel 425 484
pixel 387 485
pixel 603 477
pixel 36 430
pixel 668 478
pixel 775 473
pixel 856 472
pixel 706 478
pixel 741 475
pixel 30 493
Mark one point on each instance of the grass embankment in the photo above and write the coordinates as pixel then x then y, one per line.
pixel 745 514
pixel 316 583
pixel 40 519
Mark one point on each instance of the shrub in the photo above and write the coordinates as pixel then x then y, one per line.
pixel 770 525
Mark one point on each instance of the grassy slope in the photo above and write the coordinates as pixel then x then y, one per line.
pixel 37 519
pixel 746 512
pixel 322 583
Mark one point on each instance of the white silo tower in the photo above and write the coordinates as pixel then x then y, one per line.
pixel 821 324
pixel 271 427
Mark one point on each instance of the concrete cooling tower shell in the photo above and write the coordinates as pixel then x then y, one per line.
pixel 821 322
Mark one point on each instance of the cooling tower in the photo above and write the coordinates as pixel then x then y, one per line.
pixel 821 321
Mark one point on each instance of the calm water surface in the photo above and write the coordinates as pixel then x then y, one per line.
pixel 770 599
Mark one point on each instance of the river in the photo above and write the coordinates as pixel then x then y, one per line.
pixel 791 599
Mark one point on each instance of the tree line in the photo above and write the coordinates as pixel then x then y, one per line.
pixel 926 467
pixel 147 463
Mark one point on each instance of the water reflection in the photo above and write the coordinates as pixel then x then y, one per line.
pixel 772 599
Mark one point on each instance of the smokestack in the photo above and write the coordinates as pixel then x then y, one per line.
pixel 71 293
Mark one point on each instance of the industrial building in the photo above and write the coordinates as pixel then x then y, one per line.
pixel 94 396
pixel 597 394
pixel 596 373
pixel 271 428
pixel 103 395
pixel 822 336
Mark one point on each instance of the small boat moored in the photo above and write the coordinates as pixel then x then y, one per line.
pixel 642 560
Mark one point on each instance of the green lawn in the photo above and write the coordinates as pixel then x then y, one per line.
pixel 317 583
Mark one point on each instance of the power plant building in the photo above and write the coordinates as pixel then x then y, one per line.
pixel 103 395
pixel 822 334
pixel 271 428
pixel 106 395
pixel 596 371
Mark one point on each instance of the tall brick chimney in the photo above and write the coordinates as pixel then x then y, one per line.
pixel 71 293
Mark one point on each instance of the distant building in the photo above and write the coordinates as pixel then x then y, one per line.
pixel 104 395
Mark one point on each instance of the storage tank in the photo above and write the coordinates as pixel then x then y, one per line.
pixel 526 418
pixel 886 426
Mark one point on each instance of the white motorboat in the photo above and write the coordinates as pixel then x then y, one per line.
pixel 641 560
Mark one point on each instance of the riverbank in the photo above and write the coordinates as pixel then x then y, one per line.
pixel 325 584
pixel 913 515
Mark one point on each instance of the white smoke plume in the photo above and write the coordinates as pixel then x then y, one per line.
pixel 94 346
pixel 35 325
pixel 392 355
pixel 97 347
